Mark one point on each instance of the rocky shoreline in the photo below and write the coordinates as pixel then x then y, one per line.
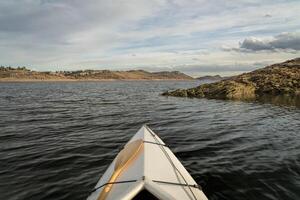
pixel 277 79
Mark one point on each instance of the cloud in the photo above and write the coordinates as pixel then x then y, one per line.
pixel 284 41
pixel 255 44
pixel 267 15
pixel 287 41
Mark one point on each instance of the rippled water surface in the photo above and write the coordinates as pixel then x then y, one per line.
pixel 57 139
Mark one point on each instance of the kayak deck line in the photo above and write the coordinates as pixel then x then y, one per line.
pixel 155 143
pixel 111 183
pixel 179 184
pixel 143 178
pixel 149 142
pixel 170 160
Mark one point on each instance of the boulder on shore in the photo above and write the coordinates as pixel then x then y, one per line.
pixel 278 79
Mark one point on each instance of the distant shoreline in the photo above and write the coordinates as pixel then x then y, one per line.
pixel 84 80
pixel 22 74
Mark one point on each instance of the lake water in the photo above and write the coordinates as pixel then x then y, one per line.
pixel 57 139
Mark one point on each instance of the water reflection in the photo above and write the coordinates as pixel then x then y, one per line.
pixel 280 100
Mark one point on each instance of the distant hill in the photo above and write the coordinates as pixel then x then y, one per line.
pixel 277 79
pixel 23 74
pixel 210 78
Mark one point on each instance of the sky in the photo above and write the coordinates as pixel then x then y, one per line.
pixel 197 37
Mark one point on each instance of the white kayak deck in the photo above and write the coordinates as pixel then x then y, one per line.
pixel 153 168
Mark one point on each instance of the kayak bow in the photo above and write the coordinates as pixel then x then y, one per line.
pixel 146 169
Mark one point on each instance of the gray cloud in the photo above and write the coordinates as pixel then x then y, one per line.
pixel 267 15
pixel 255 44
pixel 55 32
pixel 284 41
pixel 287 41
pixel 57 20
